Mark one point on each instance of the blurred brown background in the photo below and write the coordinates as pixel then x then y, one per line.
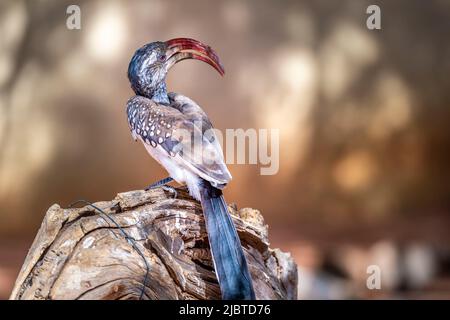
pixel 363 118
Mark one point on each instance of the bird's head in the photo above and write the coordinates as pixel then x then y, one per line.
pixel 148 67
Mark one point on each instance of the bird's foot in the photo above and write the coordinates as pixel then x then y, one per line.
pixel 159 183
pixel 163 184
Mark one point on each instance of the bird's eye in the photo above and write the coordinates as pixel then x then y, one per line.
pixel 162 58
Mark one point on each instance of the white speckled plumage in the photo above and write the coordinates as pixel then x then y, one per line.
pixel 181 163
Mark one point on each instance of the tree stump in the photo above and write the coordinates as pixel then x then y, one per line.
pixel 79 254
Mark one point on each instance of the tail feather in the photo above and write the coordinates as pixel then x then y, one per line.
pixel 228 257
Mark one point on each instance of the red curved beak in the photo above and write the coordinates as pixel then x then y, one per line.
pixel 184 48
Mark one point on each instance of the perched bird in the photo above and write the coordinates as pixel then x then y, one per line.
pixel 177 133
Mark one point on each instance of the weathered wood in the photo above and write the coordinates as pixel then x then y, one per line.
pixel 78 254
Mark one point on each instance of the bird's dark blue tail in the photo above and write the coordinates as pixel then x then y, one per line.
pixel 228 257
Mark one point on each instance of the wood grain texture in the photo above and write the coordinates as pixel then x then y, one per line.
pixel 78 254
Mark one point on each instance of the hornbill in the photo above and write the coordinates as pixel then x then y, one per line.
pixel 169 125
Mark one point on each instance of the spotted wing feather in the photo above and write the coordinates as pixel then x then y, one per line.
pixel 167 126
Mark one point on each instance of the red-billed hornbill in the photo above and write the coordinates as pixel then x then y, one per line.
pixel 160 121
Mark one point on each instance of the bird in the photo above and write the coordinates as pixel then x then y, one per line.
pixel 178 134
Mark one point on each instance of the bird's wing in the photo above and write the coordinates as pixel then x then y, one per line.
pixel 186 136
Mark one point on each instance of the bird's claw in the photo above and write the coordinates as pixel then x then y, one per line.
pixel 163 185
pixel 170 189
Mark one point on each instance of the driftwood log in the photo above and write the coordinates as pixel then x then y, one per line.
pixel 80 254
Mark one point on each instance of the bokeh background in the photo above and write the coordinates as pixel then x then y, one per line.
pixel 363 118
